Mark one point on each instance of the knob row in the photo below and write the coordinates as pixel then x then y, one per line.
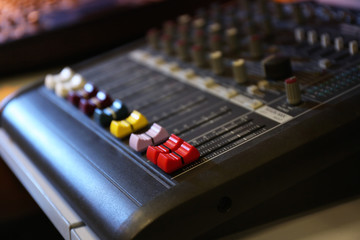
pixel 214 42
pixel 115 116
pixel 312 38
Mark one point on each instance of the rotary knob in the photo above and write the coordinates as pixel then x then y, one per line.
pixel 167 44
pixel 292 88
pixel 216 62
pixel 153 38
pixel 182 49
pixel 239 70
pixel 198 55
pixel 277 67
pixel 298 14
pixel 255 47
pixel 232 36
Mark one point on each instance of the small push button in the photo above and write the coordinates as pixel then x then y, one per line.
pixel 173 143
pixel 133 123
pixel 154 136
pixel 102 100
pixel 184 155
pixel 117 111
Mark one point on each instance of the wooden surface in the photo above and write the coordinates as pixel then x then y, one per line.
pixel 339 221
pixel 6 90
pixel 12 83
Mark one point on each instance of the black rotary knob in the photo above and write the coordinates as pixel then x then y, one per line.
pixel 277 67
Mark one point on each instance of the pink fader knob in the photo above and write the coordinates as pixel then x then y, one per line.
pixel 154 136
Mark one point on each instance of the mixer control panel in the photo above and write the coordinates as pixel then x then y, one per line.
pixel 222 111
pixel 219 82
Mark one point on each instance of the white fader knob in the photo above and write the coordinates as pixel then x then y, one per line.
pixel 292 89
pixel 339 44
pixel 353 47
pixel 299 35
pixel 325 40
pixel 64 76
pixel 312 37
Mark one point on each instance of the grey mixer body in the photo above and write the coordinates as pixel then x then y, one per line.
pixel 272 106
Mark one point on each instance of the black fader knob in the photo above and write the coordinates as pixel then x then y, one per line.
pixel 277 67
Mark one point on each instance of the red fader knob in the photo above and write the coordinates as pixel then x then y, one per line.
pixel 173 143
pixel 102 100
pixel 174 154
pixel 185 154
pixel 87 92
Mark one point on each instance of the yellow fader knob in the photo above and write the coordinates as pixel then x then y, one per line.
pixel 133 123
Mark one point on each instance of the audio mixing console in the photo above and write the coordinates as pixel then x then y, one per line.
pixel 243 113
